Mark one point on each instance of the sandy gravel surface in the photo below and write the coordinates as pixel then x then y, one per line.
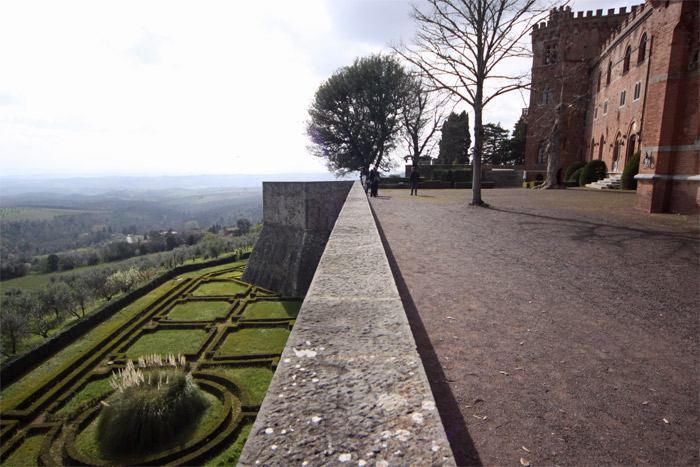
pixel 557 327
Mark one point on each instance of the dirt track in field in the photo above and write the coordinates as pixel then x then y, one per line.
pixel 556 327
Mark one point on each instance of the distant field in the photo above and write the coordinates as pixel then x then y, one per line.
pixel 14 214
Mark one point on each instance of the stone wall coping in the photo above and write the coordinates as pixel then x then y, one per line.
pixel 350 386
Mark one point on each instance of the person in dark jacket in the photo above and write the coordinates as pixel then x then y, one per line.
pixel 374 182
pixel 415 177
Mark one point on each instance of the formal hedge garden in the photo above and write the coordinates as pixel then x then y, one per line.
pixel 178 375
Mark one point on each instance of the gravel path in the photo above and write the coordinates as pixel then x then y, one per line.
pixel 556 327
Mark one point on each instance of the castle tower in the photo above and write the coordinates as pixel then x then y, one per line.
pixel 563 49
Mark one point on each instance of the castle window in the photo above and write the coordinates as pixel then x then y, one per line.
pixel 547 97
pixel 553 58
pixel 607 80
pixel 628 55
pixel 637 90
pixel 642 53
pixel 542 152
pixel 600 78
pixel 623 95
pixel 605 107
pixel 547 55
pixel 595 113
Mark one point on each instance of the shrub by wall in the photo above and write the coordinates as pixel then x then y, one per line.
pixel 576 177
pixel 532 184
pixel 458 175
pixel 592 172
pixel 434 184
pixel 628 182
pixel 571 170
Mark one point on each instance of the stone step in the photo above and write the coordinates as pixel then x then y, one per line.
pixel 610 183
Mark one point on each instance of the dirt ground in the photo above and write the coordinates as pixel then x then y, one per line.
pixel 556 327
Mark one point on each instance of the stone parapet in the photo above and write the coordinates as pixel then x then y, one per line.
pixel 350 386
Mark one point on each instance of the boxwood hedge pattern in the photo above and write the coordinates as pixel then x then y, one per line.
pixel 57 413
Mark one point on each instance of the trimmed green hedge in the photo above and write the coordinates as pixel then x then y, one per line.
pixel 570 183
pixel 458 175
pixel 592 172
pixel 628 182
pixel 434 184
pixel 17 365
pixel 468 185
pixel 571 170
pixel 576 177
pixel 532 184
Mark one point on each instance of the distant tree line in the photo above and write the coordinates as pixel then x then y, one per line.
pixel 39 312
pixel 15 266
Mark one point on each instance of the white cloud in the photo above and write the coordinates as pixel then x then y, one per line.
pixel 178 87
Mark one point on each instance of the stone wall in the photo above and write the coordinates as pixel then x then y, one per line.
pixel 298 218
pixel 350 386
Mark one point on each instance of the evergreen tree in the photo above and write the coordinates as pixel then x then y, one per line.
pixel 356 114
pixel 515 146
pixel 494 150
pixel 456 139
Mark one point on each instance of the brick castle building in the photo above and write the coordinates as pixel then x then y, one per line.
pixel 629 81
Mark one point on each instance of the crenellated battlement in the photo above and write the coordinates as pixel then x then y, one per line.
pixel 635 15
pixel 584 19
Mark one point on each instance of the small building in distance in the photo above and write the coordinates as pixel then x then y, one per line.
pixel 629 80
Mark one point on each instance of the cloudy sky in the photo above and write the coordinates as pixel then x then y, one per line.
pixel 171 87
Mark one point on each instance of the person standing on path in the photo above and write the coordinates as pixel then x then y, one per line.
pixel 364 173
pixel 414 178
pixel 374 182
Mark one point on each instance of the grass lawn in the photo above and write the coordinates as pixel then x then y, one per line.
pixel 90 391
pixel 255 341
pixel 14 393
pixel 255 378
pixel 231 275
pixel 219 288
pixel 200 273
pixel 271 309
pixel 232 453
pixel 174 341
pixel 87 442
pixel 27 453
pixel 198 311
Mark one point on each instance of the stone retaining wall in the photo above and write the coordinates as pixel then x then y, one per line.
pixel 350 386
pixel 298 218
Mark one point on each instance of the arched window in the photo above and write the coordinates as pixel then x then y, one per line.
pixel 600 78
pixel 607 80
pixel 628 55
pixel 600 147
pixel 642 53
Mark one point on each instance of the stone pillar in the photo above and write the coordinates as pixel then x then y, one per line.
pixel 298 218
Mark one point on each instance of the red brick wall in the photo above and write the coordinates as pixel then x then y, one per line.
pixel 578 38
pixel 663 122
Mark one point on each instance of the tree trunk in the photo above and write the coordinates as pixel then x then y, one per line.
pixel 478 145
pixel 554 153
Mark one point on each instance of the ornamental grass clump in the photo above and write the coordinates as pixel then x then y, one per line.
pixel 154 402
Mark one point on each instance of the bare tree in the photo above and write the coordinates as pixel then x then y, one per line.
pixel 421 119
pixel 459 45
